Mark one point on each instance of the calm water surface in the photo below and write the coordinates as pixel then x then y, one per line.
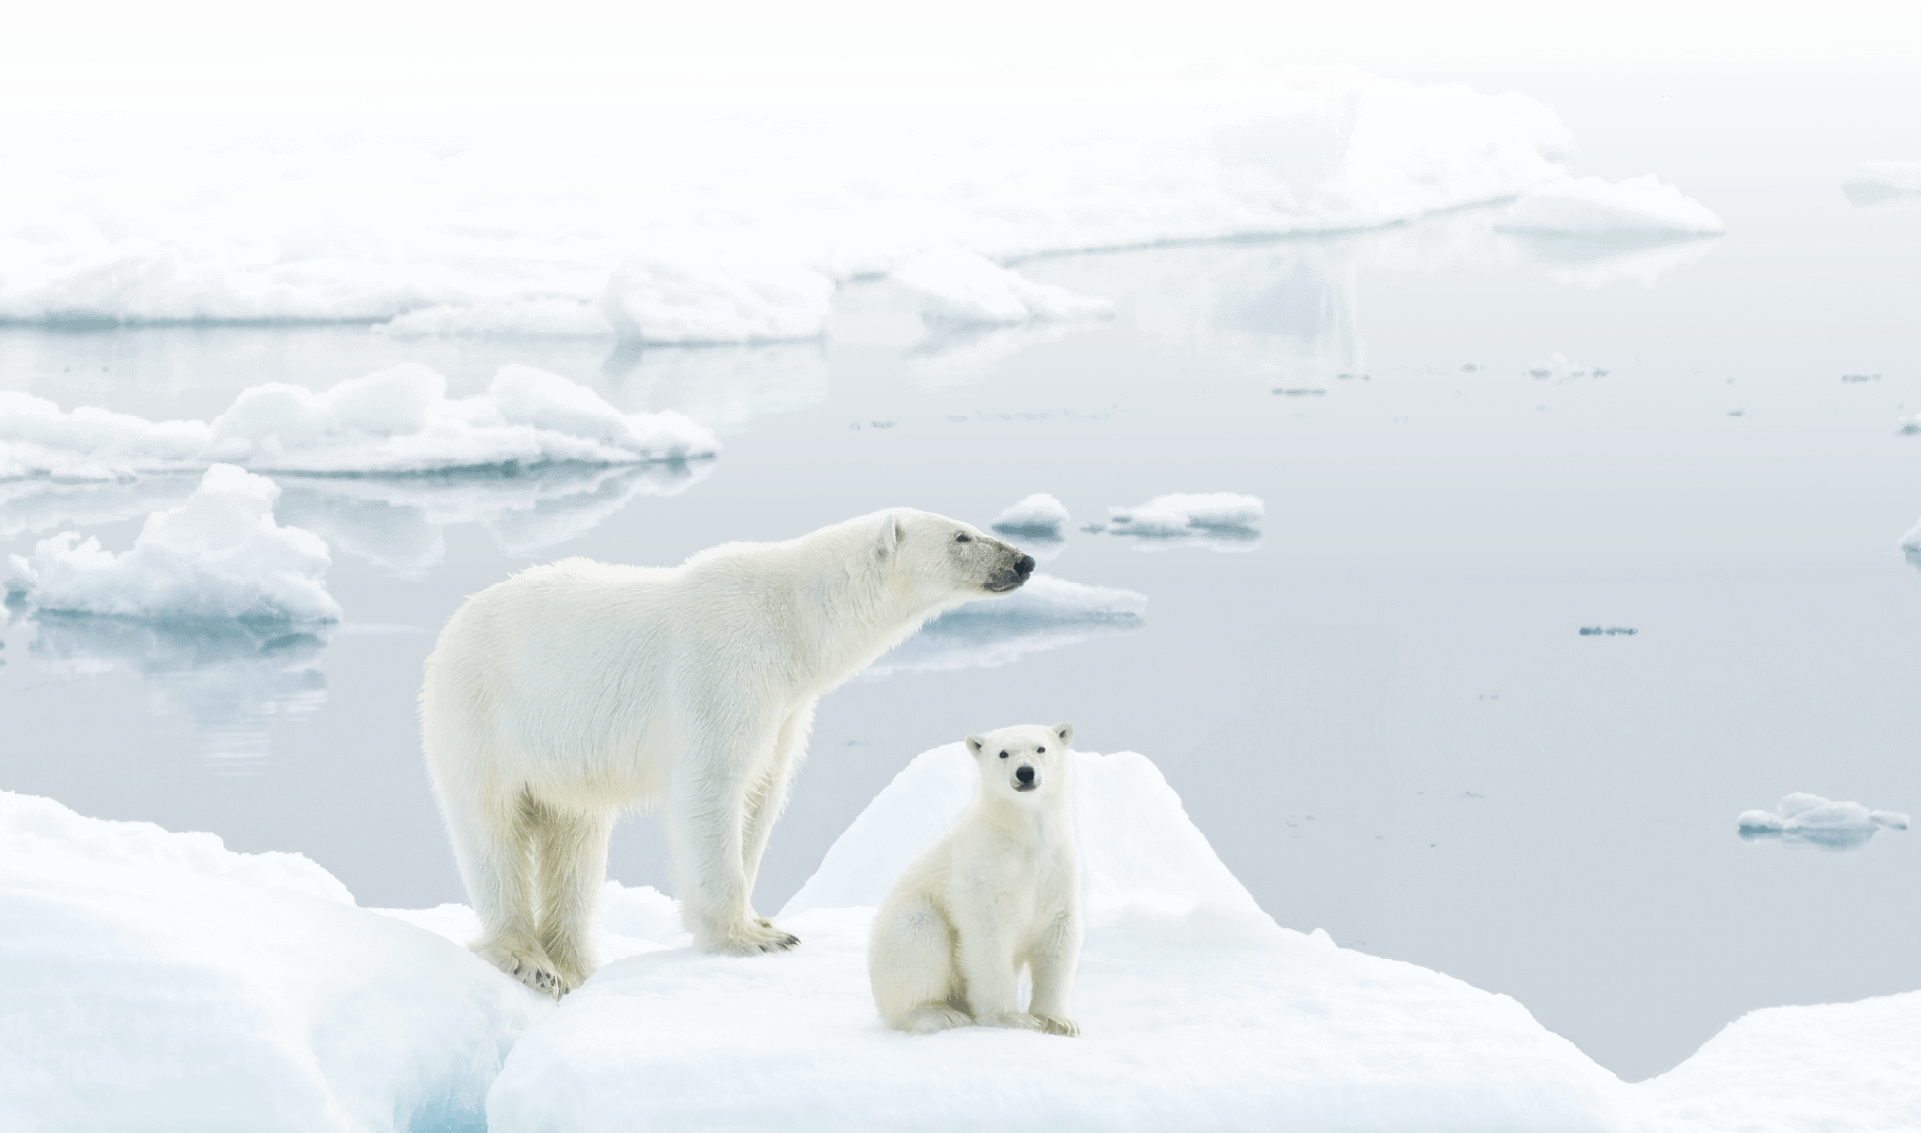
pixel 1381 712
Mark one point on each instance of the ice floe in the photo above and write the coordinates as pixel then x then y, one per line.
pixel 1039 516
pixel 959 288
pixel 1884 183
pixel 1559 368
pixel 1911 544
pixel 1911 425
pixel 1222 521
pixel 1591 207
pixel 1046 613
pixel 1817 821
pixel 397 421
pixel 219 555
pixel 161 980
pixel 553 205
pixel 1195 1007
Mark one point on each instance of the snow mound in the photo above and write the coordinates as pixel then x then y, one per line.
pixel 397 421
pixel 1559 368
pixel 1045 613
pixel 689 302
pixel 1837 1067
pixel 217 555
pixel 1222 521
pixel 1589 206
pixel 159 979
pixel 959 288
pixel 1814 820
pixel 1197 1012
pixel 1039 516
pixel 1884 182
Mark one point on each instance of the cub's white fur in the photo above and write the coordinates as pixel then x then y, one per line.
pixel 571 691
pixel 998 892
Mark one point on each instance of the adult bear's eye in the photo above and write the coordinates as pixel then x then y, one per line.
pixel 1003 755
pixel 963 538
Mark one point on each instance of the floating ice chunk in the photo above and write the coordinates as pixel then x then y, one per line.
pixel 1911 425
pixel 1039 516
pixel 219 554
pixel 1186 990
pixel 1046 613
pixel 1558 368
pixel 689 301
pixel 1884 183
pixel 160 977
pixel 1911 543
pixel 1217 520
pixel 953 286
pixel 1589 206
pixel 392 422
pixel 1837 1067
pixel 1812 819
pixel 547 316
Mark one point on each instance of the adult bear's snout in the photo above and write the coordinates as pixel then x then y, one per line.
pixel 1024 567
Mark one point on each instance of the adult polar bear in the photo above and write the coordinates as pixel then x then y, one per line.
pixel 557 698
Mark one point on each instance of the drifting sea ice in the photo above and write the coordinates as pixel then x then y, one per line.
pixel 218 555
pixel 1046 613
pixel 1884 183
pixel 392 422
pixel 176 984
pixel 1197 1012
pixel 1219 521
pixel 1039 516
pixel 1911 544
pixel 1558 368
pixel 958 288
pixel 1590 207
pixel 1817 821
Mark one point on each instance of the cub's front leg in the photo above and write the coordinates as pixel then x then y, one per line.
pixel 1055 958
pixel 987 962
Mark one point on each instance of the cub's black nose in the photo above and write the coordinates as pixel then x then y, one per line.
pixel 1025 567
pixel 1025 774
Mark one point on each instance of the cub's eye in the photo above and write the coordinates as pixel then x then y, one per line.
pixel 963 538
pixel 1003 755
pixel 1039 750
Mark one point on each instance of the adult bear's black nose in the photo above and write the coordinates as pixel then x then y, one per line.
pixel 1025 567
pixel 1025 774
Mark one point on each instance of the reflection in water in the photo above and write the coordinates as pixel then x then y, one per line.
pixel 30 506
pixel 1047 613
pixel 722 387
pixel 1592 262
pixel 233 678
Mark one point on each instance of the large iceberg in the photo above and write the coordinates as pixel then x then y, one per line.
pixel 397 421
pixel 559 200
pixel 218 555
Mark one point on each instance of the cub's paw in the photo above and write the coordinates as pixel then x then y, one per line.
pixel 1014 1021
pixel 525 961
pixel 1056 1025
pixel 932 1017
pixel 750 938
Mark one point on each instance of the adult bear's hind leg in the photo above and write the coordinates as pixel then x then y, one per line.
pixel 570 863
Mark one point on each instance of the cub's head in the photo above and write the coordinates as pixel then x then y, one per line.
pixel 1026 763
pixel 946 559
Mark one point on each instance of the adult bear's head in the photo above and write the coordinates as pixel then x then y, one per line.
pixel 947 560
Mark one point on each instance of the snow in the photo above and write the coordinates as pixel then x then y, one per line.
pixel 1045 613
pixel 1884 182
pixel 218 555
pixel 1039 516
pixel 1811 819
pixel 1835 1068
pixel 162 981
pixel 559 199
pixel 956 287
pixel 1591 207
pixel 1222 521
pixel 391 422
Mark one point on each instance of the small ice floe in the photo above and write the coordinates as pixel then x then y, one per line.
pixel 1911 425
pixel 1860 377
pixel 1039 516
pixel 1558 368
pixel 1608 631
pixel 1911 545
pixel 1047 613
pixel 397 421
pixel 1221 521
pixel 1893 183
pixel 1639 207
pixel 953 287
pixel 1737 413
pixel 712 300
pixel 218 555
pixel 1300 391
pixel 1817 821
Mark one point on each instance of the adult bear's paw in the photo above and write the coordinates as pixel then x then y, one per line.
pixel 524 960
pixel 751 938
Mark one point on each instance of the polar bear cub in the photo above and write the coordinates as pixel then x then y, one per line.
pixel 999 892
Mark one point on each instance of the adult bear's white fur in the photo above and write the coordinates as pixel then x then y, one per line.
pixel 998 892
pixel 570 691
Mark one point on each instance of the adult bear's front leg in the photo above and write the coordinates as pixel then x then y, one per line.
pixel 706 816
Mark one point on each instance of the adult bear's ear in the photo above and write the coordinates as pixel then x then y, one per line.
pixel 887 536
pixel 1065 732
pixel 975 744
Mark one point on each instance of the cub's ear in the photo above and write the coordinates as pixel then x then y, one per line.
pixel 887 535
pixel 975 744
pixel 1065 732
